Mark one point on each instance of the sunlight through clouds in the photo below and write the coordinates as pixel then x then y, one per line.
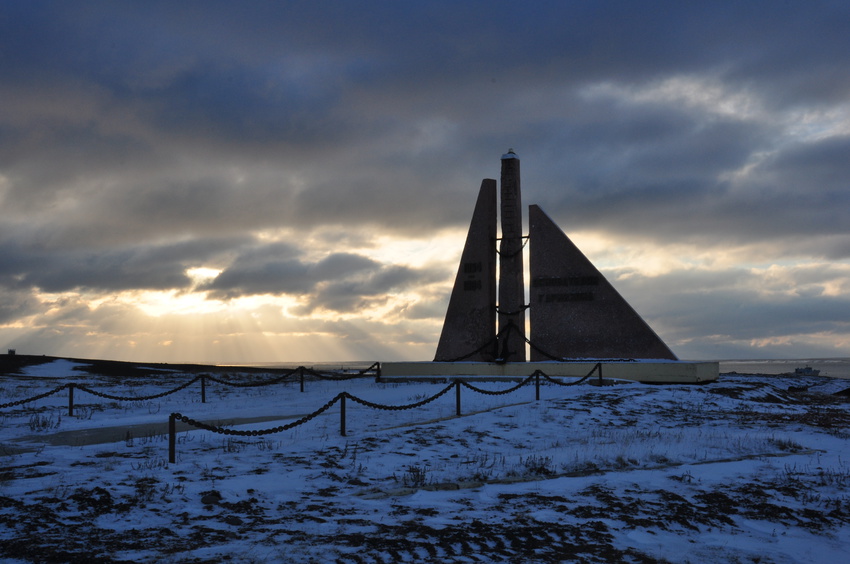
pixel 287 182
pixel 157 304
pixel 201 274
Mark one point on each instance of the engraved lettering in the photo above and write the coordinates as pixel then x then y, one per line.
pixel 555 282
pixel 471 285
pixel 574 297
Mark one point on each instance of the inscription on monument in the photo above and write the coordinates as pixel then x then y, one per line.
pixel 473 271
pixel 562 298
pixel 552 281
pixel 471 316
pixel 576 312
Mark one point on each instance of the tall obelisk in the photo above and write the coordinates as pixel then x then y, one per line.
pixel 511 285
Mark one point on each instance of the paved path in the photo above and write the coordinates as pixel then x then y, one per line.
pixel 101 435
pixel 118 433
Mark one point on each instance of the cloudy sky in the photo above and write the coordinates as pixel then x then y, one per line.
pixel 292 181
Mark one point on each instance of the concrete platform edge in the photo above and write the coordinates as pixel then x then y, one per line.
pixel 660 372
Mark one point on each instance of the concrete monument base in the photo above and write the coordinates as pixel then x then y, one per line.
pixel 646 371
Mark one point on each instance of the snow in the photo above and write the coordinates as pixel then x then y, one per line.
pixel 55 369
pixel 739 470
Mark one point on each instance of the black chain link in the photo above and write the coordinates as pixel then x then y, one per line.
pixel 277 380
pixel 104 395
pixel 426 401
pixel 489 344
pixel 256 432
pixel 336 376
pixel 34 398
pixel 361 401
pixel 492 343
pixel 136 398
pixel 499 393
pixel 521 309
pixel 341 397
pixel 577 382
pixel 525 239
pixel 505 333
pixel 326 375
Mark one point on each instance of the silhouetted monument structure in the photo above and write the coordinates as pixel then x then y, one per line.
pixel 511 308
pixel 575 313
pixel 470 327
pixel 577 321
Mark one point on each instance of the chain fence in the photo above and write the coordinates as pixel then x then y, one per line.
pixel 502 336
pixel 55 390
pixel 372 371
pixel 301 372
pixel 343 396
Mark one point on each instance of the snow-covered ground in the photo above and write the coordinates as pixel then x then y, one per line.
pixel 742 470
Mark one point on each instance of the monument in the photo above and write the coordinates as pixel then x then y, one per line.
pixel 576 317
pixel 470 329
pixel 575 311
pixel 511 309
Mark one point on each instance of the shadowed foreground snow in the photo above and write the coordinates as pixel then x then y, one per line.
pixel 742 470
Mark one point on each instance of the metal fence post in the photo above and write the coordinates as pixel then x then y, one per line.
pixel 203 389
pixel 172 439
pixel 342 415
pixel 71 399
pixel 457 397
pixel 301 373
pixel 537 385
pixel 599 366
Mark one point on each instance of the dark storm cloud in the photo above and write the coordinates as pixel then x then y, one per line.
pixel 16 305
pixel 272 269
pixel 671 182
pixel 818 168
pixel 352 84
pixel 350 294
pixel 342 282
pixel 151 267
pixel 740 306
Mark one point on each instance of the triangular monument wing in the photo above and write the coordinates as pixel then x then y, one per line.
pixel 575 311
pixel 469 332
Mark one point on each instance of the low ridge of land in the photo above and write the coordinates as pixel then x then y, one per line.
pixel 17 364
